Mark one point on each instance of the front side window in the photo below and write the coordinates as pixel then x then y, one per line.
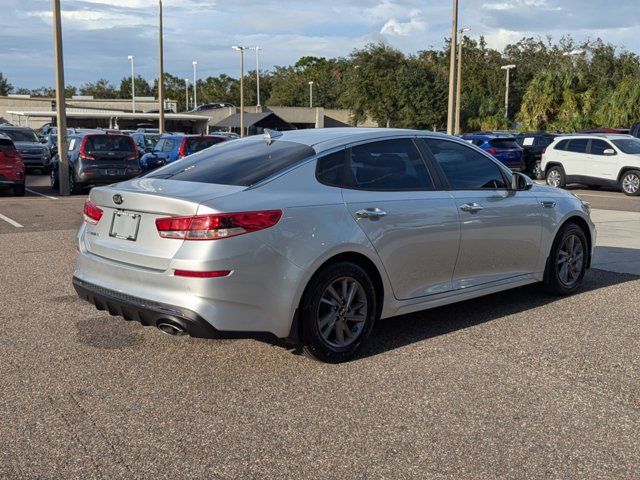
pixel 599 146
pixel 168 145
pixel 465 168
pixel 387 165
pixel 578 145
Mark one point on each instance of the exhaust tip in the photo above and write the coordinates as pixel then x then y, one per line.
pixel 171 328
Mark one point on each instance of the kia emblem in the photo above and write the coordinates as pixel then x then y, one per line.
pixel 117 199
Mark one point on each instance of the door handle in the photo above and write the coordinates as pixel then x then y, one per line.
pixel 372 213
pixel 472 207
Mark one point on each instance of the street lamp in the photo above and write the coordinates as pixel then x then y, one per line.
pixel 61 113
pixel 133 86
pixel 241 50
pixel 459 80
pixel 452 68
pixel 186 94
pixel 195 83
pixel 160 72
pixel 506 92
pixel 257 49
pixel 311 94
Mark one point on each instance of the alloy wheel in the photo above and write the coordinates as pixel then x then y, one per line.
pixel 554 178
pixel 631 183
pixel 342 312
pixel 570 260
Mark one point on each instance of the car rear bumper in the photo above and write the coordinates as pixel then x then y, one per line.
pixel 96 177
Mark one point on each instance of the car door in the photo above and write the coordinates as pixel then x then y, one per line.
pixel 500 228
pixel 601 166
pixel 414 227
pixel 575 161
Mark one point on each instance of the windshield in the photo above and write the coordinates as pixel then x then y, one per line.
pixel 108 143
pixel 506 143
pixel 21 135
pixel 241 162
pixel 631 145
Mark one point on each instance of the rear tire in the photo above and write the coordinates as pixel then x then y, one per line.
pixel 337 313
pixel 556 178
pixel 630 183
pixel 568 260
pixel 53 178
pixel 74 187
pixel 19 190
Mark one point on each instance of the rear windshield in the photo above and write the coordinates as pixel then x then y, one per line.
pixel 21 135
pixel 6 145
pixel 108 143
pixel 241 162
pixel 504 143
pixel 631 145
pixel 195 144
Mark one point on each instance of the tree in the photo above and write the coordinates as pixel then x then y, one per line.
pixel 143 89
pixel 100 89
pixel 5 86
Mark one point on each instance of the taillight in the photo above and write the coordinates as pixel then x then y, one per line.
pixel 216 226
pixel 182 151
pixel 491 151
pixel 207 274
pixel 92 213
pixel 82 153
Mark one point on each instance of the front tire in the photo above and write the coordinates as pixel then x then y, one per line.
pixel 630 183
pixel 568 260
pixel 337 313
pixel 556 178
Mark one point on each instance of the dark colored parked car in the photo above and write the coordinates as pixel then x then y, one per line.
pixel 171 147
pixel 12 171
pixel 502 146
pixel 99 158
pixel 145 141
pixel 33 153
pixel 534 145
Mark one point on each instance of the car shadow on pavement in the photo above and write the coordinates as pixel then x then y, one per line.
pixel 396 332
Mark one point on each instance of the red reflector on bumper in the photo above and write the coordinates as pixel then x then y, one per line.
pixel 212 274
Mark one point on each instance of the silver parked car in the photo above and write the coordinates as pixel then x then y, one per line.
pixel 313 235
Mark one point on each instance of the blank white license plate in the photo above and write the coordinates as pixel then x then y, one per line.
pixel 125 225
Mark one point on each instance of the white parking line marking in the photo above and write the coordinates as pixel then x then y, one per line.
pixel 596 195
pixel 41 194
pixel 10 222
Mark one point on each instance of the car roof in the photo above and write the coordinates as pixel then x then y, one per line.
pixel 15 127
pixel 587 136
pixel 488 135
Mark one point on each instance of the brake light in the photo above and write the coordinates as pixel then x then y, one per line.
pixel 182 151
pixel 216 226
pixel 82 153
pixel 491 151
pixel 209 274
pixel 92 213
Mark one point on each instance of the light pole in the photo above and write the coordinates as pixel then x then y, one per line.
pixel 311 94
pixel 459 81
pixel 186 94
pixel 195 83
pixel 160 72
pixel 452 68
pixel 133 86
pixel 61 113
pixel 241 50
pixel 257 49
pixel 506 92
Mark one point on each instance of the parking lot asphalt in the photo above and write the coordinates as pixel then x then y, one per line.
pixel 514 385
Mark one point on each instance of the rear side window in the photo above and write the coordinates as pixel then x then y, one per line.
pixel 388 165
pixel 561 145
pixel 598 147
pixel 108 143
pixel 195 144
pixel 6 145
pixel 504 143
pixel 465 168
pixel 241 163
pixel 579 145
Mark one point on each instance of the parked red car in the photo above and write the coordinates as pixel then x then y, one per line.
pixel 12 172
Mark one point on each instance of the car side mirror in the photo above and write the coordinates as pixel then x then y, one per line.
pixel 609 152
pixel 519 181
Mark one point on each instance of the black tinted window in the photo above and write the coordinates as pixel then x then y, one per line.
pixel 598 147
pixel 578 145
pixel 243 162
pixel 108 143
pixel 20 135
pixel 561 145
pixel 504 143
pixel 465 168
pixel 6 145
pixel 631 145
pixel 195 144
pixel 388 165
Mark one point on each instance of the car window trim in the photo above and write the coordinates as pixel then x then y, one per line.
pixel 447 186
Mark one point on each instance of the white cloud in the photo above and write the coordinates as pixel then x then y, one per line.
pixel 413 25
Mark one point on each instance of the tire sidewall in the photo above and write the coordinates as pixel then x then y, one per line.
pixel 552 280
pixel 560 170
pixel 624 175
pixel 312 341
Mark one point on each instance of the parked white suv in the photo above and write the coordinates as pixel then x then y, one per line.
pixel 594 160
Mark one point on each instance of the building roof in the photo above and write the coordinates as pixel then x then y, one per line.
pixel 108 114
pixel 264 119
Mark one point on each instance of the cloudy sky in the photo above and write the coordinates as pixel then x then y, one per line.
pixel 100 34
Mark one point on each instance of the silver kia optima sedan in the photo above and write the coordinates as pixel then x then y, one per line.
pixel 313 235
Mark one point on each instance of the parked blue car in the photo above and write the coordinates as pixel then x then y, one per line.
pixel 173 146
pixel 502 146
